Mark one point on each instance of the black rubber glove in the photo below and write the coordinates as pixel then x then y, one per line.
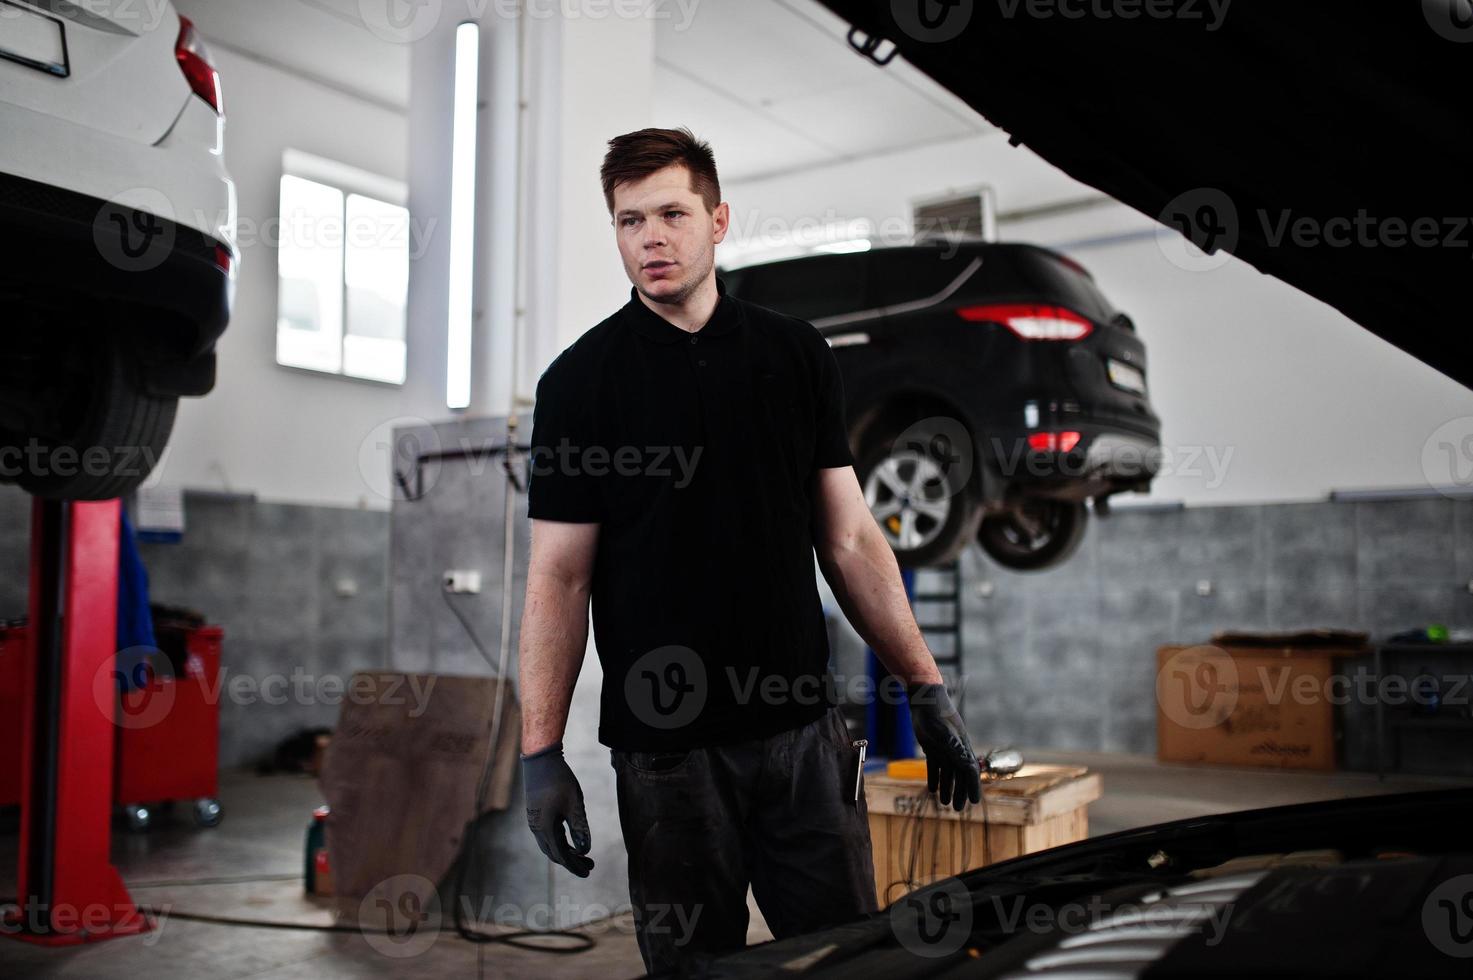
pixel 554 798
pixel 951 765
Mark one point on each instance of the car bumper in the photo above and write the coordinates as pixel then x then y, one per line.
pixel 181 177
pixel 1105 458
pixel 90 261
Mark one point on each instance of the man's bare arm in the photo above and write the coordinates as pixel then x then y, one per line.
pixel 554 627
pixel 861 569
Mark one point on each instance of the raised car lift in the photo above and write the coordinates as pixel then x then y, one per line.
pixel 69 892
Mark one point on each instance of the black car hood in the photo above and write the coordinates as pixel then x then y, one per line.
pixel 1374 906
pixel 1339 125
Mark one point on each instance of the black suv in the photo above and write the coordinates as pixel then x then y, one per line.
pixel 991 390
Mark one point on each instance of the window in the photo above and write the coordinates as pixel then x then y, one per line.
pixel 343 267
pixel 811 288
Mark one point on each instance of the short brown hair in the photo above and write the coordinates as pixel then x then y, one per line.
pixel 634 156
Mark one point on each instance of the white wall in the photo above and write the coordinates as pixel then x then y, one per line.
pixel 1265 394
pixel 289 435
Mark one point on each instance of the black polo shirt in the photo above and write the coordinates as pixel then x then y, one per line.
pixel 696 453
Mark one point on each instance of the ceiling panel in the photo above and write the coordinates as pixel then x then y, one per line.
pixel 324 40
pixel 784 67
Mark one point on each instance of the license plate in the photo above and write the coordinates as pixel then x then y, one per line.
pixel 1126 376
pixel 33 39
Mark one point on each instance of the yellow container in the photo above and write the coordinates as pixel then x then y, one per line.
pixel 907 769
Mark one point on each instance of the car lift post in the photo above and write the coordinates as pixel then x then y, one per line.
pixel 69 891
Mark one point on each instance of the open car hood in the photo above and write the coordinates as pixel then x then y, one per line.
pixel 1328 145
pixel 1367 887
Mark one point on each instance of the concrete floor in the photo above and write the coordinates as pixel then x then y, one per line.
pixel 251 865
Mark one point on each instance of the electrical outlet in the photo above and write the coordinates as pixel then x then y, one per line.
pixel 463 581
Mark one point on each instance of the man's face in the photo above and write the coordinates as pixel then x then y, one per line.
pixel 667 238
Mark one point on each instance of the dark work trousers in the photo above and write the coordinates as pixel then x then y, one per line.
pixel 777 813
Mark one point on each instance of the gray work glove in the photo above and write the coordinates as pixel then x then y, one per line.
pixel 554 798
pixel 951 765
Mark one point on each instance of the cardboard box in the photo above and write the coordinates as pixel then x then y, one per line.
pixel 1248 705
pixel 401 771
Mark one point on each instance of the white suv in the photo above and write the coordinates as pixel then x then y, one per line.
pixel 117 239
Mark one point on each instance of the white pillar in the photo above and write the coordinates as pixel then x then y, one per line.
pixel 589 78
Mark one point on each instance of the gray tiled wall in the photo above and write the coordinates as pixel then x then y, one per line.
pixel 1066 658
pixel 268 575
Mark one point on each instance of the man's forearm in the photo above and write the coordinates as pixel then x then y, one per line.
pixel 554 638
pixel 861 570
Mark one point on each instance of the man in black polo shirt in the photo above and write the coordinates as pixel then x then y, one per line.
pixel 689 459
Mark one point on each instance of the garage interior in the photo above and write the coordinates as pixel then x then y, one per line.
pixel 1313 508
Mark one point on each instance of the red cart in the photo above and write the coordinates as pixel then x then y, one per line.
pixel 168 739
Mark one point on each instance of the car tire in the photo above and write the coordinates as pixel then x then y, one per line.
pixel 108 413
pixel 1043 535
pixel 893 472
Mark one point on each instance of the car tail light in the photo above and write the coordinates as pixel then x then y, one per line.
pixel 197 64
pixel 1031 322
pixel 1053 442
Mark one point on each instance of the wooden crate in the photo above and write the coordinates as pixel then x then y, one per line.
pixel 915 841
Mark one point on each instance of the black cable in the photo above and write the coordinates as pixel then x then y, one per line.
pixel 470 631
pixel 509 938
pixel 226 880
